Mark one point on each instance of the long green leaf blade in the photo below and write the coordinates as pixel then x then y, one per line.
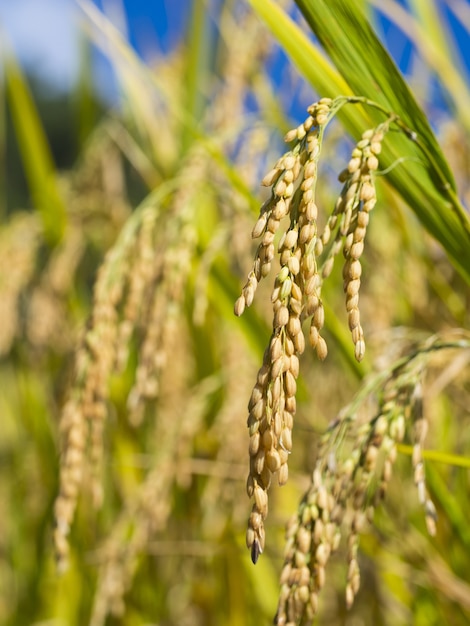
pixel 35 152
pixel 420 174
pixel 308 59
pixel 361 59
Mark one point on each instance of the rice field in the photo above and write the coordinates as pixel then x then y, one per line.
pixel 234 345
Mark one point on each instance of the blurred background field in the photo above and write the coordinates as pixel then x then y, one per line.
pixel 145 147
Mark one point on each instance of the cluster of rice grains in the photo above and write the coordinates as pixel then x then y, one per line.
pixel 307 254
pixel 138 297
pixel 350 480
pixel 306 259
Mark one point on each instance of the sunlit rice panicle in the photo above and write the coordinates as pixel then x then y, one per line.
pixel 140 275
pixel 352 210
pixel 306 258
pixel 357 453
pixel 170 248
pixel 292 182
pixel 176 420
pixel 73 431
pixel 419 431
pixel 374 454
pixel 101 344
pixel 350 480
pixel 147 510
pixel 84 414
pixel 312 535
pixel 138 294
pixel 296 292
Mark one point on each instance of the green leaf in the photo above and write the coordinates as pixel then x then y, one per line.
pixel 367 67
pixel 421 174
pixel 456 460
pixel 197 71
pixel 308 59
pixel 35 152
pixel 428 187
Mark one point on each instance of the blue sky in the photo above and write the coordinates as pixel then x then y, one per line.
pixel 43 36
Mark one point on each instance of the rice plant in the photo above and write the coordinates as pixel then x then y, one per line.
pixel 139 411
